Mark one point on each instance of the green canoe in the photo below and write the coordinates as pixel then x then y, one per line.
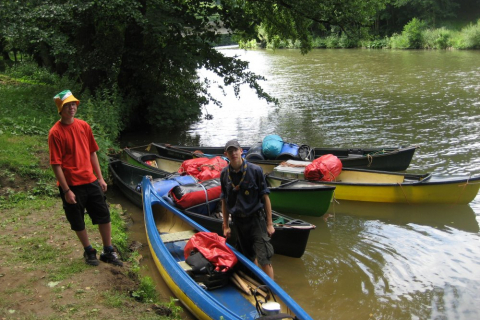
pixel 302 197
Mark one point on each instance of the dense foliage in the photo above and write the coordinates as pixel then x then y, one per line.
pixel 147 52
pixel 150 50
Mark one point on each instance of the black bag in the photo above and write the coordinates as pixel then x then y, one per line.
pixel 204 272
pixel 214 280
pixel 199 264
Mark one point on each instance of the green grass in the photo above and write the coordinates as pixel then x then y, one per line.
pixel 28 192
pixel 19 152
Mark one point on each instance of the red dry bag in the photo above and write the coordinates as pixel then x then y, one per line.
pixel 214 249
pixel 203 168
pixel 189 195
pixel 325 168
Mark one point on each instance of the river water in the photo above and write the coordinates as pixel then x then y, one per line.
pixel 366 261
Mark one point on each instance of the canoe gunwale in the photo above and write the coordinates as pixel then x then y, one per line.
pixel 430 190
pixel 150 198
pixel 287 187
pixel 425 181
pixel 399 157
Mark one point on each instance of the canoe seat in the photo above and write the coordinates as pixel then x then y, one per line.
pixel 186 267
pixel 177 236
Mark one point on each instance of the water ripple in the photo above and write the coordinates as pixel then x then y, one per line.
pixel 372 261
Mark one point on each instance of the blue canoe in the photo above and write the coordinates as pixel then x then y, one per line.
pixel 168 231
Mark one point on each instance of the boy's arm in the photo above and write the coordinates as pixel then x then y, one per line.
pixel 68 194
pixel 98 171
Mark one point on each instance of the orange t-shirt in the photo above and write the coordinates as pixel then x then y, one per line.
pixel 71 146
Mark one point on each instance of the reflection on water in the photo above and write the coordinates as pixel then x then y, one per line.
pixel 442 217
pixel 370 261
pixel 391 262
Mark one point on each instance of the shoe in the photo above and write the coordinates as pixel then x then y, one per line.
pixel 91 257
pixel 111 257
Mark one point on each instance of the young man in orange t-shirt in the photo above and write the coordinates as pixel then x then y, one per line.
pixel 73 157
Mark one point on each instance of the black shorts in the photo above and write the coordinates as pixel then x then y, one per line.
pixel 91 198
pixel 253 240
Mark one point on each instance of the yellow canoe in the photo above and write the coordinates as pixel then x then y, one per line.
pixel 390 187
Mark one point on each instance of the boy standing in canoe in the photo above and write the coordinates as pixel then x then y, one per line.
pixel 245 197
pixel 73 157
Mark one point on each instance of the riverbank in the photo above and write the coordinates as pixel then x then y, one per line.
pixel 415 35
pixel 42 271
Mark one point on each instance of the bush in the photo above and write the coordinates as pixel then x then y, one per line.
pixel 437 38
pixel 319 43
pixel 413 33
pixel 332 42
pixel 347 42
pixel 277 43
pixel 469 37
pixel 398 41
pixel 30 72
pixel 106 111
pixel 376 43
pixel 252 44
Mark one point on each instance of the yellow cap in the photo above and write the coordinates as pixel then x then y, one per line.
pixel 63 97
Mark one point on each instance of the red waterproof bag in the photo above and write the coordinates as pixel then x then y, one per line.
pixel 325 168
pixel 189 195
pixel 203 168
pixel 214 248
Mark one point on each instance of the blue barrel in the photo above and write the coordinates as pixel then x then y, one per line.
pixel 289 152
pixel 255 153
pixel 272 146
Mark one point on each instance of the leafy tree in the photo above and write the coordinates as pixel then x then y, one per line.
pixel 298 19
pixel 151 49
pixel 429 11
pixel 398 13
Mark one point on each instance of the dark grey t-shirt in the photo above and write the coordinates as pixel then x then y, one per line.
pixel 248 198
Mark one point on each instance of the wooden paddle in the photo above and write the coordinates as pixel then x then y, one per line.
pixel 241 284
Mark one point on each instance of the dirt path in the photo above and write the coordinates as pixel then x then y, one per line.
pixel 43 276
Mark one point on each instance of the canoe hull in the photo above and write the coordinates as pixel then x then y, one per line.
pixel 128 177
pixel 382 158
pixel 377 186
pixel 226 302
pixel 301 197
pixel 172 285
pixel 286 200
pixel 290 237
